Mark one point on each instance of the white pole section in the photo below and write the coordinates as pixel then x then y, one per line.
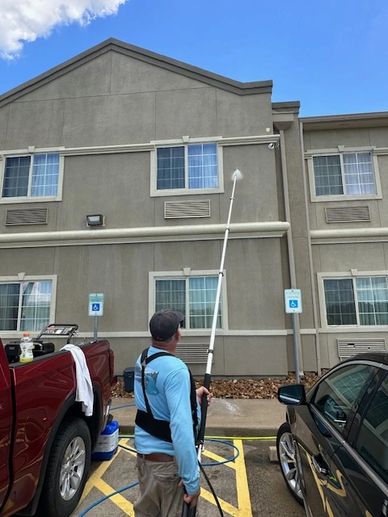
pixel 235 177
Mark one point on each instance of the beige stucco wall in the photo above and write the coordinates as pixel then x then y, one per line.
pixel 116 99
pixel 121 272
pixel 342 254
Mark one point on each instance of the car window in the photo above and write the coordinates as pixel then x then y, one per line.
pixel 372 441
pixel 337 394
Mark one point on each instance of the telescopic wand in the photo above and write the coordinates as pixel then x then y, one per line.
pixel 187 510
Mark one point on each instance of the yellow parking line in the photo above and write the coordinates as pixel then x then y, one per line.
pixel 247 438
pixel 243 496
pixel 120 501
pixel 227 507
pixel 124 443
pixel 243 509
pixel 216 457
pixel 97 474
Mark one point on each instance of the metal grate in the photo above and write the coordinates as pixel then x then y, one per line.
pixel 347 214
pixel 194 353
pixel 22 216
pixel 186 209
pixel 360 346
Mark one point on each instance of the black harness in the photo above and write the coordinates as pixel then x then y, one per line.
pixel 145 419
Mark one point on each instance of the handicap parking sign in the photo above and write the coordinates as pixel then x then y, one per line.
pixel 293 300
pixel 96 304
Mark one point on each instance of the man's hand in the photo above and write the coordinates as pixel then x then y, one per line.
pixel 192 500
pixel 201 392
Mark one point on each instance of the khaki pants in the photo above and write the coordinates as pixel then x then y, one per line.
pixel 160 495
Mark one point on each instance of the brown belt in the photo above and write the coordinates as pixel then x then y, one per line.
pixel 156 456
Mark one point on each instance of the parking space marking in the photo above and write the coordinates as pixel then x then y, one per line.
pixel 226 507
pixel 243 496
pixel 97 474
pixel 215 457
pixel 242 509
pixel 120 501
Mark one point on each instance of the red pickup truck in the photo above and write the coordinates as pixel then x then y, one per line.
pixel 45 438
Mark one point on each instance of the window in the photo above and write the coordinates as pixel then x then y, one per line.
pixel 337 394
pixel 357 301
pixel 187 167
pixel 344 174
pixel 25 305
pixel 31 176
pixel 194 296
pixel 372 441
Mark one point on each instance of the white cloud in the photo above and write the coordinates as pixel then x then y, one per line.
pixel 22 21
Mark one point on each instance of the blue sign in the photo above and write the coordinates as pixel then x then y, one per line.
pixel 293 300
pixel 96 304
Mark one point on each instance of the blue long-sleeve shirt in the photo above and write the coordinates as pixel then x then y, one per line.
pixel 167 383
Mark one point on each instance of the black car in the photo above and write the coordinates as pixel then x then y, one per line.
pixel 333 449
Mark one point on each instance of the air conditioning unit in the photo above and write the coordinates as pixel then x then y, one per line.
pixel 349 348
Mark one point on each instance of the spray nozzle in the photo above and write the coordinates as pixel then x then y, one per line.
pixel 237 175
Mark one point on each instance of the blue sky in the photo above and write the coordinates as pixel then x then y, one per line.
pixel 332 55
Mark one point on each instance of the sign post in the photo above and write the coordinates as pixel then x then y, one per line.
pixel 293 306
pixel 96 309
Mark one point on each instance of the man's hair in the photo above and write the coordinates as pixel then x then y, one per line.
pixel 165 323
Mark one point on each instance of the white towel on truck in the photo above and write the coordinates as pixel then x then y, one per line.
pixel 84 391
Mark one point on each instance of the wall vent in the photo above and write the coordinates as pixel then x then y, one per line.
pixel 22 216
pixel 186 209
pixel 347 214
pixel 348 348
pixel 193 353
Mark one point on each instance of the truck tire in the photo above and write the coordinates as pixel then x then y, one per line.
pixel 67 469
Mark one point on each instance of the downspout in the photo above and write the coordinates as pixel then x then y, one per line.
pixel 291 259
pixel 312 278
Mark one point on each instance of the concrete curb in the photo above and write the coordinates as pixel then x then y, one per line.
pixel 230 432
pixel 226 417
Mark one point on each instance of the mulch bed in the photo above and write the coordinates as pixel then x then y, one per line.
pixel 240 387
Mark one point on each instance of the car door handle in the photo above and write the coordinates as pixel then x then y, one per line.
pixel 319 465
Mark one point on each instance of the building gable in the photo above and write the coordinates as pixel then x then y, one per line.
pixel 103 68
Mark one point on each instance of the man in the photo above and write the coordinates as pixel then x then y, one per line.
pixel 167 416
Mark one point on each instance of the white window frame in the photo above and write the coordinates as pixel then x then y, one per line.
pixel 340 151
pixel 18 279
pixel 184 274
pixel 31 152
pixel 185 142
pixel 352 274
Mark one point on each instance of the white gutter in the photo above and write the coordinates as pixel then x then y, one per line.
pixel 145 232
pixel 349 233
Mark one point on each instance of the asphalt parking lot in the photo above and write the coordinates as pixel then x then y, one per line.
pixel 247 485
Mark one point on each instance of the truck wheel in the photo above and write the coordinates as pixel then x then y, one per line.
pixel 67 469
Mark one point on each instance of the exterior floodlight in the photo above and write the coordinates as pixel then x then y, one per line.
pixel 95 220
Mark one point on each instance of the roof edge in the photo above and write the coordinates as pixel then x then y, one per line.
pixel 199 74
pixel 372 119
pixel 289 106
pixel 245 87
